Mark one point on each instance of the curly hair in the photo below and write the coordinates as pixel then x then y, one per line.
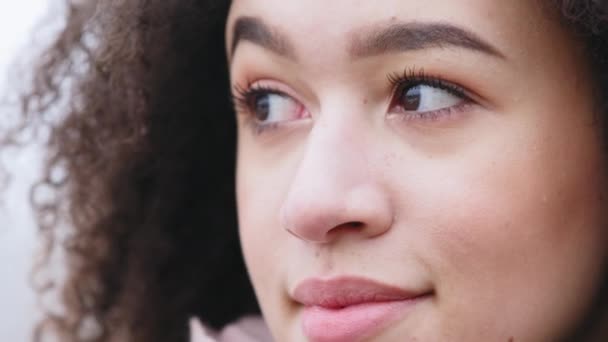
pixel 147 142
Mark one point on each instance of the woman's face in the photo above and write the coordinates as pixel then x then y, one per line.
pixel 416 170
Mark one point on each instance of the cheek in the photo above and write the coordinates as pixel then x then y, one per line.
pixel 257 202
pixel 260 191
pixel 516 238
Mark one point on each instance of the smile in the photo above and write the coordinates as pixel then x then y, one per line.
pixel 351 309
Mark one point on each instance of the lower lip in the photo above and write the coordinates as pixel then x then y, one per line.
pixel 352 323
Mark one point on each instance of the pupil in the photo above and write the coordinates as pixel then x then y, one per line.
pixel 262 107
pixel 411 99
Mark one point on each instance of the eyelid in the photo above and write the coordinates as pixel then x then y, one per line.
pixel 264 87
pixel 271 85
pixel 452 80
pixel 401 82
pixel 414 77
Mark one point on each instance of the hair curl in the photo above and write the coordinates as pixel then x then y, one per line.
pixel 148 145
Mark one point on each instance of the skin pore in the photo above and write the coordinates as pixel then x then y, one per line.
pixel 445 148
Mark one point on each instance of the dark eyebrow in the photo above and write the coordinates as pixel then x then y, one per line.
pixel 256 31
pixel 398 37
pixel 416 36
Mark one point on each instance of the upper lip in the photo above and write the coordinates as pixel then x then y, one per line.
pixel 347 291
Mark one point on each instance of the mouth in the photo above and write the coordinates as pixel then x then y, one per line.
pixel 350 308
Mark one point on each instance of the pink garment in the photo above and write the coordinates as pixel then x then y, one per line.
pixel 246 329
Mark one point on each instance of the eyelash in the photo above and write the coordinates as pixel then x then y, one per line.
pixel 411 77
pixel 242 98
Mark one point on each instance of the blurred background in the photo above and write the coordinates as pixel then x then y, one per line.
pixel 26 26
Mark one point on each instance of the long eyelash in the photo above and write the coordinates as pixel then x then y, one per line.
pixel 239 97
pixel 242 97
pixel 412 77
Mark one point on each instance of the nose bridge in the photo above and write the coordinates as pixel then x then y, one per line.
pixel 332 187
pixel 337 152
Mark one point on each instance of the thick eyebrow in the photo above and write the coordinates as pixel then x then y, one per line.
pixel 398 37
pixel 256 31
pixel 417 36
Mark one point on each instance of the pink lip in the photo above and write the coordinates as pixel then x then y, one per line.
pixel 350 308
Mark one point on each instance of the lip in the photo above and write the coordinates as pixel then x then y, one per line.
pixel 351 308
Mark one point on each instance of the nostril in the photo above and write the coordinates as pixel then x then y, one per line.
pixel 348 226
pixel 345 228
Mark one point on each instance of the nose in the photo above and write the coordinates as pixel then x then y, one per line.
pixel 336 190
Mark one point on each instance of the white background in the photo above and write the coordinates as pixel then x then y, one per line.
pixel 24 28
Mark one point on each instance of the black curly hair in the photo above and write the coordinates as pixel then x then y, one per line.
pixel 148 143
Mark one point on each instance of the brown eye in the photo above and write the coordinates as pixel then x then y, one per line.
pixel 269 107
pixel 425 98
pixel 410 98
pixel 261 107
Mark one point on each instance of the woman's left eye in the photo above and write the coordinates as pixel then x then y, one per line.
pixel 425 98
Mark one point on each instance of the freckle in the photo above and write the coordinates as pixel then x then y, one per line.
pixel 365 101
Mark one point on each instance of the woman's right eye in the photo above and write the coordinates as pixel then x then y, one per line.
pixel 269 107
pixel 274 107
